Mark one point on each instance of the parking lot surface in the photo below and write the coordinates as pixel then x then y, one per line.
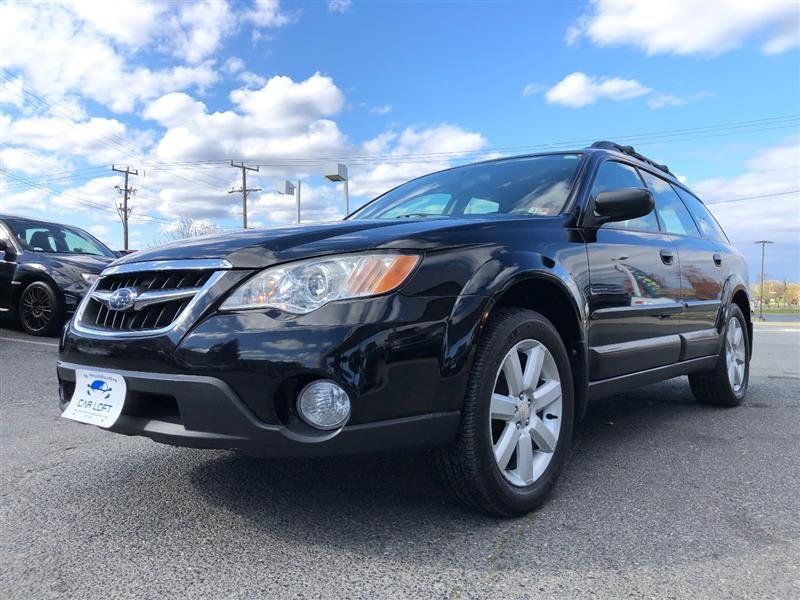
pixel 661 497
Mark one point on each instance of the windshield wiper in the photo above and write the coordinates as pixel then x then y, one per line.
pixel 417 215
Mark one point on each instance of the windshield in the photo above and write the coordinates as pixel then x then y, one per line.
pixel 37 236
pixel 532 186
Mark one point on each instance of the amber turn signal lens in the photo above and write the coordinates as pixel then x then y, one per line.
pixel 396 273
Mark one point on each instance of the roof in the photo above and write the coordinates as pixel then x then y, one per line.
pixel 630 151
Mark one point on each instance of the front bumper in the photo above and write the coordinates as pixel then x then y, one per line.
pixel 230 380
pixel 204 412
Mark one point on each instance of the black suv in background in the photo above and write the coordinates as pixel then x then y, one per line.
pixel 45 270
pixel 474 311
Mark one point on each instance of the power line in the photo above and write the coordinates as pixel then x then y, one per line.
pixel 786 193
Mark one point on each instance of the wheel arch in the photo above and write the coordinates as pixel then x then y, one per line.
pixel 30 276
pixel 531 282
pixel 735 291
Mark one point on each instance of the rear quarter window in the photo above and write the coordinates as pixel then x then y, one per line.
pixel 709 228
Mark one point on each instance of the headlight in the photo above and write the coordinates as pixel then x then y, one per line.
pixel 90 278
pixel 304 286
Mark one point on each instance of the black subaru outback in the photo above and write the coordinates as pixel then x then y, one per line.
pixel 474 311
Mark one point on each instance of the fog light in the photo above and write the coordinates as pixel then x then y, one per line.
pixel 324 405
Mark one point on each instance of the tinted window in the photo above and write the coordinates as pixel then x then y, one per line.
pixel 530 186
pixel 49 237
pixel 479 206
pixel 672 213
pixel 428 204
pixel 708 225
pixel 614 176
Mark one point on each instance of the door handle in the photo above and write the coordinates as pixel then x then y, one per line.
pixel 667 256
pixel 718 260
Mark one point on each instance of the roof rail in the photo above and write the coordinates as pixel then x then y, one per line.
pixel 630 151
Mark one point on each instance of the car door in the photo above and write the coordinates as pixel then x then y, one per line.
pixel 634 292
pixel 726 261
pixel 8 267
pixel 700 262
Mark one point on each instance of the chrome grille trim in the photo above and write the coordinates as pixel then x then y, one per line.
pixel 206 264
pixel 148 298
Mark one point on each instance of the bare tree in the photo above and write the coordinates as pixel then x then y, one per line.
pixel 187 227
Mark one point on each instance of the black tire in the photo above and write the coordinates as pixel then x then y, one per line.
pixel 39 309
pixel 468 467
pixel 714 387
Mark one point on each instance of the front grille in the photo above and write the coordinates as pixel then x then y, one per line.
pixel 97 315
pixel 156 291
pixel 155 280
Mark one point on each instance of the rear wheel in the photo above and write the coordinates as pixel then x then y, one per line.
pixel 727 384
pixel 39 310
pixel 516 420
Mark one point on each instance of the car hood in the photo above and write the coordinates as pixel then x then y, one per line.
pixel 259 248
pixel 85 263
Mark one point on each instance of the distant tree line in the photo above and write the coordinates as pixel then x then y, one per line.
pixel 777 294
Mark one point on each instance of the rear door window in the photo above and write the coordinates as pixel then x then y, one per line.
pixel 672 213
pixel 707 223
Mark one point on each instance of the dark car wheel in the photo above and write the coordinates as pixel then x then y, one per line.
pixel 516 421
pixel 39 310
pixel 727 384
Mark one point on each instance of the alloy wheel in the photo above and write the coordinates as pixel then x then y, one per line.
pixel 526 408
pixel 37 308
pixel 735 354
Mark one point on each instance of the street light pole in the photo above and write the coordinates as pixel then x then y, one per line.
pixel 763 246
pixel 338 172
pixel 289 189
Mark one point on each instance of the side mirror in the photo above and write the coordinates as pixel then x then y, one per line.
pixel 7 251
pixel 623 204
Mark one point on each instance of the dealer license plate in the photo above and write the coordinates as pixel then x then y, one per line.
pixel 98 398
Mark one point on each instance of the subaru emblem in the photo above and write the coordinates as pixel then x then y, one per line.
pixel 122 299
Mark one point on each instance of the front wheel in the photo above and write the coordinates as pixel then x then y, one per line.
pixel 727 384
pixel 517 416
pixel 39 309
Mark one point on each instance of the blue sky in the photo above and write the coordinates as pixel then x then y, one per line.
pixel 176 90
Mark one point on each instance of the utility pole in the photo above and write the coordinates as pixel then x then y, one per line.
pixel 244 189
pixel 123 211
pixel 763 245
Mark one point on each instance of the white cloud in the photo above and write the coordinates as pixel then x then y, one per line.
pixel 268 13
pixel 128 22
pixel 339 6
pixel 317 203
pixel 709 28
pixel 94 139
pixel 578 89
pixel 772 171
pixel 22 203
pixel 233 65
pixel 13 92
pixel 100 231
pixel 60 54
pixel 441 144
pixel 531 89
pixel 280 121
pixel 251 80
pixel 384 109
pixel 666 100
pixel 199 27
pixel 30 162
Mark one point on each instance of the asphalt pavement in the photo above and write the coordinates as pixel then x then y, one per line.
pixel 662 498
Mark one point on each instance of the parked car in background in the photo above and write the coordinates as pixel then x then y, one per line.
pixel 474 311
pixel 45 270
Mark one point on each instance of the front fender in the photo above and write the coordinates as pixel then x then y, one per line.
pixel 502 271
